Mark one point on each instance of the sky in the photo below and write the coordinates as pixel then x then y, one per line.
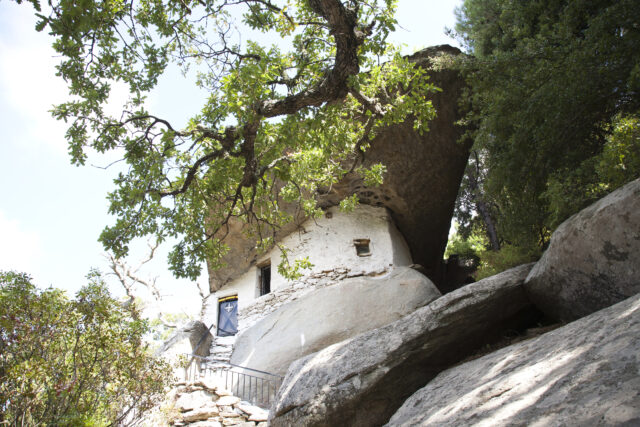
pixel 51 212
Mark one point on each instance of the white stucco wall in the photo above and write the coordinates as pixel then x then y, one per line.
pixel 329 244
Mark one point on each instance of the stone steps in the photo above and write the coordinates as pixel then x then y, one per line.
pixel 220 351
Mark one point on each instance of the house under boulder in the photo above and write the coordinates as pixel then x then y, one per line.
pixel 402 223
pixel 420 186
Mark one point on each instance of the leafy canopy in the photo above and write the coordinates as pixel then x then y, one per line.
pixel 281 122
pixel 72 362
pixel 555 92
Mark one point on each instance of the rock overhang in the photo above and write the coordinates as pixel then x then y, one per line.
pixel 421 184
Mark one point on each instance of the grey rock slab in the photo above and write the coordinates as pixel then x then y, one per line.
pixel 255 413
pixel 593 259
pixel 227 400
pixel 193 338
pixel 328 315
pixel 207 423
pixel 586 373
pixel 193 400
pixel 362 381
pixel 200 414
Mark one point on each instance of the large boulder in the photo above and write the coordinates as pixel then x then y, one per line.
pixel 362 381
pixel 593 260
pixel 423 170
pixel 329 315
pixel 583 374
pixel 193 338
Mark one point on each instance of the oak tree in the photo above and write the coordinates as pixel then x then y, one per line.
pixel 281 122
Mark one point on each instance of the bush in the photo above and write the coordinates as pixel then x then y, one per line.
pixel 77 361
pixel 509 256
pixel 466 248
pixel 618 163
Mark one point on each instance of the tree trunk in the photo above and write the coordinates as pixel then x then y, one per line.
pixel 482 207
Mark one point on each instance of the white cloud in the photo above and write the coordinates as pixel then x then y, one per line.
pixel 20 249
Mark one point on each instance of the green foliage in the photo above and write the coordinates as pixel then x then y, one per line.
pixel 292 271
pixel 281 123
pixel 466 247
pixel 617 164
pixel 494 262
pixel 72 362
pixel 489 262
pixel 162 328
pixel 552 85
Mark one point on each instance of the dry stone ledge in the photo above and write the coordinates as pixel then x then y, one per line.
pixel 200 414
pixel 586 373
pixel 362 381
pixel 593 260
pixel 206 403
pixel 329 315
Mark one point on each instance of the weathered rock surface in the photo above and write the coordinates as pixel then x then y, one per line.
pixel 329 315
pixel 420 186
pixel 362 381
pixel 194 338
pixel 593 260
pixel 586 373
pixel 423 171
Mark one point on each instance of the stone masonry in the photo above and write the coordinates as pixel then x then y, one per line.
pixel 205 403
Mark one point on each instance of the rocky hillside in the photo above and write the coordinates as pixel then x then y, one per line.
pixel 450 362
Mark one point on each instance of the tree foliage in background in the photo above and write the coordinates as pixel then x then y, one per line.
pixel 554 86
pixel 281 123
pixel 70 362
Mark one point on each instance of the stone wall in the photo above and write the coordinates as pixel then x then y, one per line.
pixel 205 403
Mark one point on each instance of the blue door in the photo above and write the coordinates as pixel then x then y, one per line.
pixel 227 316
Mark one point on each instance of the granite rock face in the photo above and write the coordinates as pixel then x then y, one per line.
pixel 593 260
pixel 586 373
pixel 362 381
pixel 423 171
pixel 328 315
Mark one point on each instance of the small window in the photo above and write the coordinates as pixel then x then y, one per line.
pixel 362 247
pixel 265 279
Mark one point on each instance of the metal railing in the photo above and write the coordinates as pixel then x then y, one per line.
pixel 257 387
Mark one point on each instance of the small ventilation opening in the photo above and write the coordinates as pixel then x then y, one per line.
pixel 265 279
pixel 362 247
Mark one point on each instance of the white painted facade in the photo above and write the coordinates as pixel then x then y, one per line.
pixel 329 242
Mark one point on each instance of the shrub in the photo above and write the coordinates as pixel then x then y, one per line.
pixel 77 361
pixel 509 256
